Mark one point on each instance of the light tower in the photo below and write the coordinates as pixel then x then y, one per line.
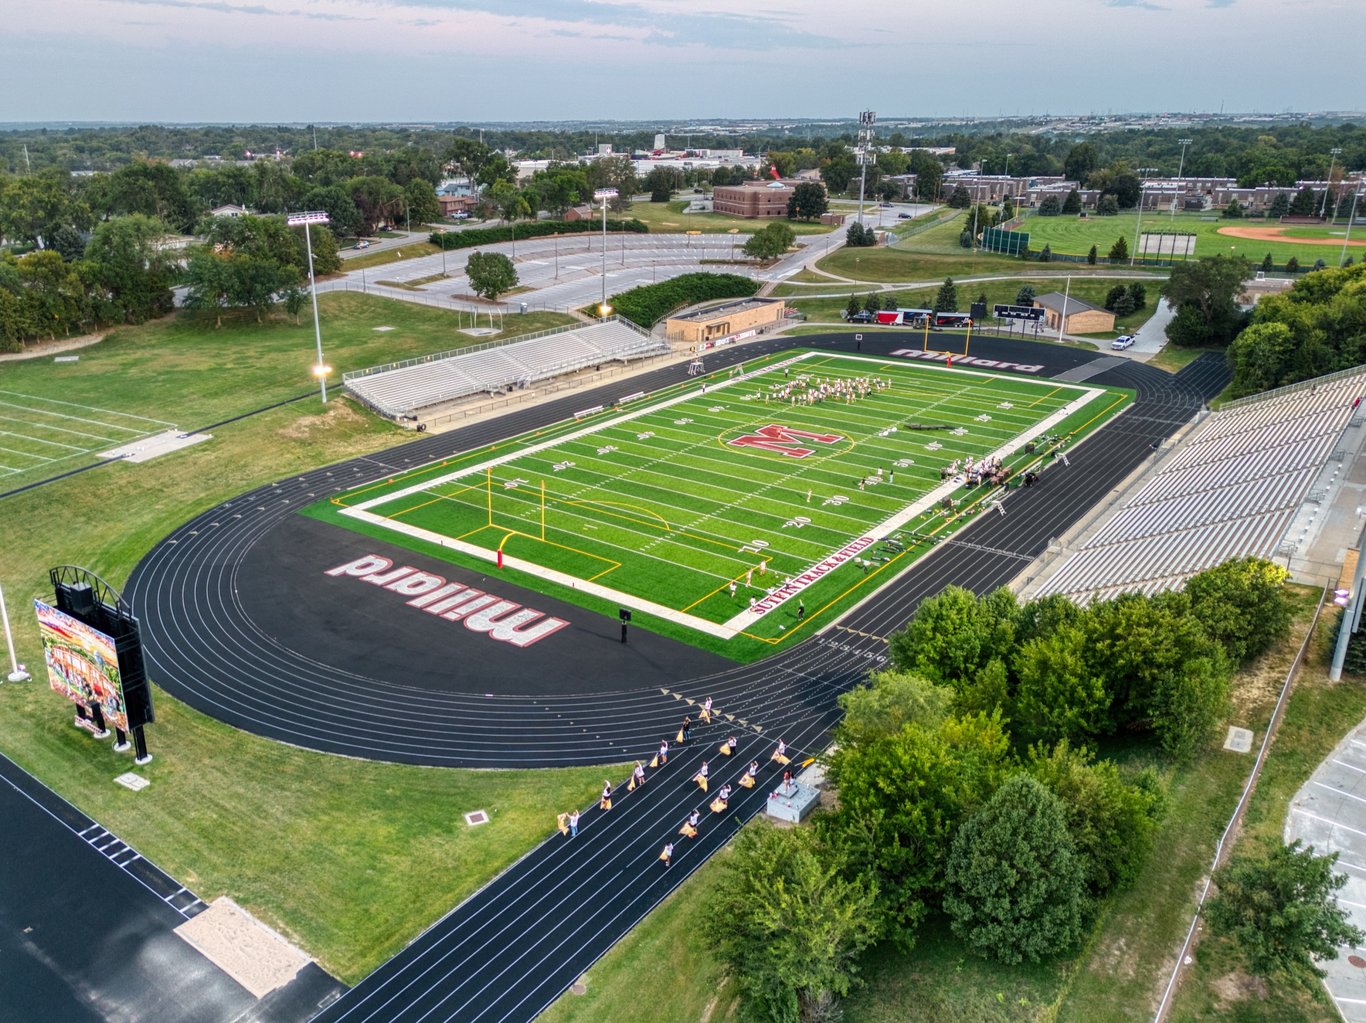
pixel 604 196
pixel 306 221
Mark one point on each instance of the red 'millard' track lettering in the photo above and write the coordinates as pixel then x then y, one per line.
pixel 784 440
pixel 503 620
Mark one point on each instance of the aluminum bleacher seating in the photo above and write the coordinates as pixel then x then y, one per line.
pixel 403 390
pixel 1230 490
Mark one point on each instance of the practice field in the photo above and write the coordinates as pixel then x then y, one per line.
pixel 48 435
pixel 1073 235
pixel 746 506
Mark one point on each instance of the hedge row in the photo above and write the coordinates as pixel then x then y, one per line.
pixel 650 303
pixel 538 229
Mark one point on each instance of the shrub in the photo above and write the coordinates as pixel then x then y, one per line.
pixel 477 236
pixel 650 303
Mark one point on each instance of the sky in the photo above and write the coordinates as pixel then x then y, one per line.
pixel 277 61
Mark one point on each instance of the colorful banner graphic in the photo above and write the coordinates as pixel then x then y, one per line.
pixel 82 664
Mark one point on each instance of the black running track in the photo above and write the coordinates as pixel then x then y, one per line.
pixel 513 947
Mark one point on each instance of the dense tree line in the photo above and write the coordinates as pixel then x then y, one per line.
pixel 1318 326
pixel 969 784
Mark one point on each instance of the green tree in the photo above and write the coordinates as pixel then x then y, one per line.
pixel 1091 256
pixel 789 923
pixel 1305 203
pixel 770 242
pixel 1058 694
pixel 946 300
pixel 889 701
pixel 1292 265
pixel 889 300
pixel 132 270
pixel 344 220
pixel 1267 264
pixel 959 199
pixel 1072 204
pixel 808 201
pixel 871 303
pixel 852 306
pixel 34 208
pixel 378 201
pixel 490 274
pixel 1205 291
pixel 954 634
pixel 1243 605
pixel 1080 162
pixel 1107 205
pixel 1112 296
pixel 1139 294
pixel 1234 210
pixel 662 182
pixel 1280 205
pixel 1046 254
pixel 1025 296
pixel 929 175
pixel 1050 206
pixel 901 799
pixel 1124 305
pixel 420 201
pixel 1112 817
pixel 1119 251
pixel 1014 888
pixel 1280 912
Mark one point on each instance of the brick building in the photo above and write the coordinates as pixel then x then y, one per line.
pixel 1082 317
pixel 754 199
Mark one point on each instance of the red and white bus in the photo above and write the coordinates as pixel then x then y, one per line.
pixel 904 317
pixel 952 320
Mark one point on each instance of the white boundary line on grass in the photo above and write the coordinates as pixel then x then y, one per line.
pixel 737 623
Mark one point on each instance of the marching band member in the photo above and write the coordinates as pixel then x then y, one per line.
pixel 722 800
pixel 751 773
pixel 668 854
pixel 728 747
pixel 689 828
pixel 780 754
pixel 701 776
pixel 606 802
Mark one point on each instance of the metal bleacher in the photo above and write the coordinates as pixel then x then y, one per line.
pixel 1230 490
pixel 404 389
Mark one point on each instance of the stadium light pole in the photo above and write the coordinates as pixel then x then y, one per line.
pixel 306 221
pixel 604 196
pixel 17 674
pixel 1351 218
pixel 1142 192
pixel 1335 152
pixel 1180 172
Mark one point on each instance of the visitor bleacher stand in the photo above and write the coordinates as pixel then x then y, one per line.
pixel 405 390
pixel 1229 490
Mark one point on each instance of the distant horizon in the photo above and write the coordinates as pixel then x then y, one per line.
pixel 515 61
pixel 659 123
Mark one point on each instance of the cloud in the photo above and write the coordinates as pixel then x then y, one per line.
pixel 1220 3
pixel 220 7
pixel 1145 5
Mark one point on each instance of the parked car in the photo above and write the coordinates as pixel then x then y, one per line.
pixel 903 216
pixel 1122 342
pixel 885 205
pixel 362 244
pixel 863 316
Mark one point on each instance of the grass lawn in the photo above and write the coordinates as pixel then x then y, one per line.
pixel 350 858
pixel 669 218
pixel 1173 358
pixel 672 507
pixel 382 257
pixel 1074 235
pixel 182 371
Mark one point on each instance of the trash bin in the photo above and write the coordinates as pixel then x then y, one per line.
pixel 523 305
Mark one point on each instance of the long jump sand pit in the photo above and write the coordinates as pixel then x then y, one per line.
pixel 1277 234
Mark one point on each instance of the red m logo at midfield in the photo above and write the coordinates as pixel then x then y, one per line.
pixel 784 440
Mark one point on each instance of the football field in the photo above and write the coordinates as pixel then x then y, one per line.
pixel 750 504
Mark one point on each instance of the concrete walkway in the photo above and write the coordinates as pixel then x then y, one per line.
pixel 1329 813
